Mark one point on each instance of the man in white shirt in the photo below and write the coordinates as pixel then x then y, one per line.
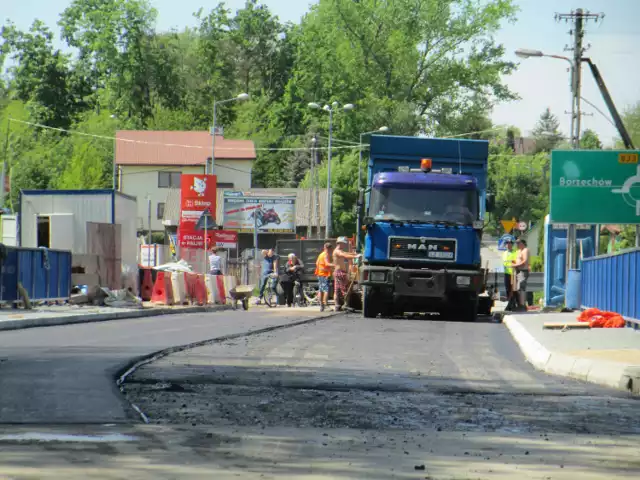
pixel 215 262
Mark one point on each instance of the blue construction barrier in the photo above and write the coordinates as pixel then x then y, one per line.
pixel 45 274
pixel 612 283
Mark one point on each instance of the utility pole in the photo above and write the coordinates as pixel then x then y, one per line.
pixel 578 17
pixel 316 186
pixel 311 185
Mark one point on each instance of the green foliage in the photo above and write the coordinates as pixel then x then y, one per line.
pixel 631 120
pixel 431 66
pixel 547 132
pixel 536 264
pixel 590 140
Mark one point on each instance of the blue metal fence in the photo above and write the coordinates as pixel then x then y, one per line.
pixel 612 283
pixel 44 274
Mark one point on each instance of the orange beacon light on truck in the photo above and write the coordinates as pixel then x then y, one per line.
pixel 425 164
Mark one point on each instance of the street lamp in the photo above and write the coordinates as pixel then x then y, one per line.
pixel 330 109
pixel 359 205
pixel 528 53
pixel 575 135
pixel 241 97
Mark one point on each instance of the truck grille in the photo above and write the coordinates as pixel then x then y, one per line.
pixel 423 248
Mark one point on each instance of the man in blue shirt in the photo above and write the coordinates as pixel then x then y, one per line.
pixel 269 266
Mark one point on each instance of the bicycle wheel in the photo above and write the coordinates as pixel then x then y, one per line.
pixel 298 296
pixel 270 295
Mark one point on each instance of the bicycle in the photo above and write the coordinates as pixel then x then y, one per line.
pixel 299 297
pixel 271 291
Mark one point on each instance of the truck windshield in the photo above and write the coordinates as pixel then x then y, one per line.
pixel 424 205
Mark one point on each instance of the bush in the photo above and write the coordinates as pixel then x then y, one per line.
pixel 536 264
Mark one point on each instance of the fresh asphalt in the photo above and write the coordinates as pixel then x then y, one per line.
pixel 65 374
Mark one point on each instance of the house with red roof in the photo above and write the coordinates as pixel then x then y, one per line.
pixel 150 163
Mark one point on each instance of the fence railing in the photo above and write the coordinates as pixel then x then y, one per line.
pixel 612 283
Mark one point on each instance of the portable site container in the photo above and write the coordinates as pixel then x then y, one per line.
pixel 58 219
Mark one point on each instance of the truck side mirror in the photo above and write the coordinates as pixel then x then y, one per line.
pixel 360 197
pixel 490 203
pixel 367 221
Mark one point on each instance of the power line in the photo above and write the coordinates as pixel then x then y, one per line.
pixel 127 140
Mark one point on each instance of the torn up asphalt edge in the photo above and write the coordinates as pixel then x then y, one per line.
pixel 609 374
pixel 126 371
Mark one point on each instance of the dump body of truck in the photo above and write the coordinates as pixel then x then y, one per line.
pixel 424 226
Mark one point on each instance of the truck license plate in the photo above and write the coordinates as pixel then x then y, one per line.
pixel 446 255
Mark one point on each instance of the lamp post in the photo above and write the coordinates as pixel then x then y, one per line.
pixel 330 109
pixel 575 136
pixel 240 97
pixel 359 205
pixel 115 165
pixel 575 123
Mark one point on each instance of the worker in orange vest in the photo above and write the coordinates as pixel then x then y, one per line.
pixel 324 267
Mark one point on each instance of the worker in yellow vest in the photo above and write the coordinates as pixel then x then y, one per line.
pixel 508 258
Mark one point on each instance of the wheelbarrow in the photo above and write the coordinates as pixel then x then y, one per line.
pixel 241 293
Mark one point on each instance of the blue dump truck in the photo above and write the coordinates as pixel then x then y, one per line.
pixel 425 205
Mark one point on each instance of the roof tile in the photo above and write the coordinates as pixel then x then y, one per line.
pixel 147 147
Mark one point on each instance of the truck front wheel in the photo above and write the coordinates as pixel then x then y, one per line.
pixel 370 305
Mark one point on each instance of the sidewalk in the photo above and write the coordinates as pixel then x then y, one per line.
pixel 48 316
pixel 606 356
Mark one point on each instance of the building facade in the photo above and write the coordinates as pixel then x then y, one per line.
pixel 150 163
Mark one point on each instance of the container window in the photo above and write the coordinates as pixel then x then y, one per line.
pixel 43 232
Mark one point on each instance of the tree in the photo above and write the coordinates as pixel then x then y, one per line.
pixel 547 132
pixel 631 120
pixel 590 140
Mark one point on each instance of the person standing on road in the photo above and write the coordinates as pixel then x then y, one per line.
pixel 521 268
pixel 269 266
pixel 292 271
pixel 341 271
pixel 323 272
pixel 508 258
pixel 215 262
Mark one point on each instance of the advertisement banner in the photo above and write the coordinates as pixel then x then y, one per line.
pixel 218 238
pixel 269 214
pixel 197 202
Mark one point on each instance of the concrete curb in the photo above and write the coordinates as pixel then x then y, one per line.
pixel 609 374
pixel 19 324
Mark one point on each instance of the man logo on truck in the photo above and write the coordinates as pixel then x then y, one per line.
pixel 422 246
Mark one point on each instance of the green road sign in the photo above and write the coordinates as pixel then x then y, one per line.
pixel 595 186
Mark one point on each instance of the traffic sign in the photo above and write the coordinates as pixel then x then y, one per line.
pixel 522 226
pixel 595 187
pixel 508 224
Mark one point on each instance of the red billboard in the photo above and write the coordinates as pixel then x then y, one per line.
pixel 219 238
pixel 197 209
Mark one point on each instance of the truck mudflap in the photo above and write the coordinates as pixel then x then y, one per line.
pixel 424 283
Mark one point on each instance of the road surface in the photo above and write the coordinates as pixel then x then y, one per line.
pixel 342 398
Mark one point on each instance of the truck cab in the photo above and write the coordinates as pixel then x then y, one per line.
pixel 423 234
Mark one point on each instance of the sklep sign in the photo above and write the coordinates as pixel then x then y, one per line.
pixel 197 200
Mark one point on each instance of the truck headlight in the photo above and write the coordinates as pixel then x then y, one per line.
pixel 478 224
pixel 377 276
pixel 463 281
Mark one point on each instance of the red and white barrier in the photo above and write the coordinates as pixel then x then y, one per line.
pixel 179 288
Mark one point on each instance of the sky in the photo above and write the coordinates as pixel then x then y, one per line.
pixel 539 82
